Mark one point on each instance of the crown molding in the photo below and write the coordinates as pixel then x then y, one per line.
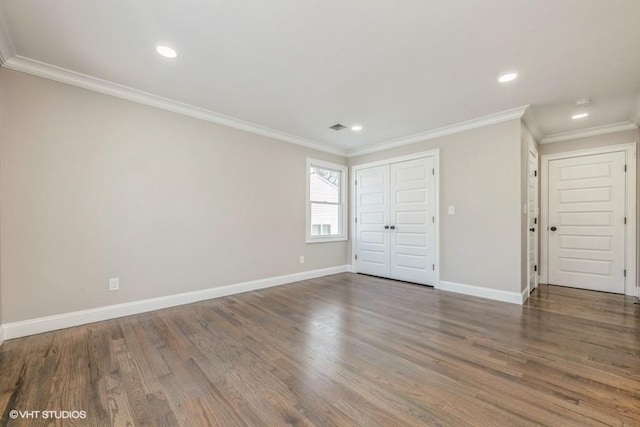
pixel 492 119
pixel 584 133
pixel 84 81
pixel 532 124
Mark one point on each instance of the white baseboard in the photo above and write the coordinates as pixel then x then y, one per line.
pixel 477 291
pixel 1 334
pixel 76 318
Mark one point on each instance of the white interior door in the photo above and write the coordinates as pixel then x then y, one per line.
pixel 532 219
pixel 586 222
pixel 372 215
pixel 412 215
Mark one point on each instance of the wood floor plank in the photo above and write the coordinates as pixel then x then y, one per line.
pixel 342 350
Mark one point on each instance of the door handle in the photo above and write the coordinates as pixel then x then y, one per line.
pixel 393 227
pixel 532 229
pixel 386 227
pixel 553 229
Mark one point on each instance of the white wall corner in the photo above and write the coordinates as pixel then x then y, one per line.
pixel 531 122
pixel 479 122
pixel 76 318
pixel 6 46
pixel 481 292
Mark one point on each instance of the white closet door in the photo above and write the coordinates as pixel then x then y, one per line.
pixel 372 216
pixel 412 216
pixel 586 222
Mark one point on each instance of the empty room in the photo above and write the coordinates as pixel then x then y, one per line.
pixel 304 213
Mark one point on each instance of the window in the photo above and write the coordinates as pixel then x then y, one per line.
pixel 326 211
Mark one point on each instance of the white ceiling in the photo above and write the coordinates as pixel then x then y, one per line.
pixel 397 67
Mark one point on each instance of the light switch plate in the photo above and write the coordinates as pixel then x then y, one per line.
pixel 452 210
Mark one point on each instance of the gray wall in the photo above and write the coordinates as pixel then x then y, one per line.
pixel 480 173
pixel 625 137
pixel 95 187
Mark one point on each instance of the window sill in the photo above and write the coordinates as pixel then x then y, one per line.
pixel 326 239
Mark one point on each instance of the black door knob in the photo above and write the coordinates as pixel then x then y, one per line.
pixel 393 227
pixel 553 229
pixel 386 227
pixel 532 229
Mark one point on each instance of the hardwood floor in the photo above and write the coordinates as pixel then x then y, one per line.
pixel 340 350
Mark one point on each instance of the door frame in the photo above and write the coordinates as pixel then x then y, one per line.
pixel 435 153
pixel 630 284
pixel 538 227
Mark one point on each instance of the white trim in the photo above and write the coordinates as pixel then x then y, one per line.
pixel 492 119
pixel 1 334
pixel 76 318
pixel 84 81
pixel 531 146
pixel 343 201
pixel 532 124
pixel 435 153
pixel 631 214
pixel 488 293
pixel 584 133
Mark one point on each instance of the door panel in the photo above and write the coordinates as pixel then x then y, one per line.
pixel 372 215
pixel 532 219
pixel 412 204
pixel 587 205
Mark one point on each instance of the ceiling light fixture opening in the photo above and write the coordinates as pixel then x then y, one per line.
pixel 508 77
pixel 166 51
pixel 579 116
pixel 356 128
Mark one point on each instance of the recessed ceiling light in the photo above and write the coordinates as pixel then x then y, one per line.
pixel 356 128
pixel 166 51
pixel 507 77
pixel 579 116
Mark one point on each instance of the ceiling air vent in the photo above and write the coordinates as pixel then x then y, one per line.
pixel 337 126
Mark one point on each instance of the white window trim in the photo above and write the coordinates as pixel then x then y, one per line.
pixel 343 201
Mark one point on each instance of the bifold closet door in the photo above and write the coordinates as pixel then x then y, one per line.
pixel 395 221
pixel 412 215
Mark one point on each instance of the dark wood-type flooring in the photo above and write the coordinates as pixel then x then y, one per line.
pixel 346 350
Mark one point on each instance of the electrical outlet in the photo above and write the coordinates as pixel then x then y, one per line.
pixel 114 284
pixel 301 259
